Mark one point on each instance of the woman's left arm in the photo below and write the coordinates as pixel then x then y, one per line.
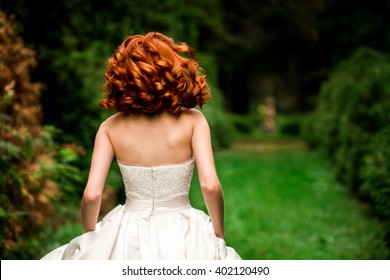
pixel 102 157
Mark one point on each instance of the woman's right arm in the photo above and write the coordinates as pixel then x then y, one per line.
pixel 208 179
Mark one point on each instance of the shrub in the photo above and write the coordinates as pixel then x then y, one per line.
pixel 31 163
pixel 351 126
pixel 376 173
pixel 353 105
pixel 290 124
pixel 36 176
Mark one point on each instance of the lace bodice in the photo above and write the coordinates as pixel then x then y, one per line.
pixel 157 183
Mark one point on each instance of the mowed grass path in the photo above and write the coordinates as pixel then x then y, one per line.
pixel 282 203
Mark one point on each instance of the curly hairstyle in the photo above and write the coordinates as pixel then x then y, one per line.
pixel 148 74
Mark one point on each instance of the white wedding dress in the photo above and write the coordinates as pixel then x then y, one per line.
pixel 157 222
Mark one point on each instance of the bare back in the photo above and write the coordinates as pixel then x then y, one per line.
pixel 151 140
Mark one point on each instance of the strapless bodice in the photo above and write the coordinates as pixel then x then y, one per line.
pixel 162 182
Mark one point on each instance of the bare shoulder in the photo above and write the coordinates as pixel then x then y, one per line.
pixel 195 114
pixel 111 121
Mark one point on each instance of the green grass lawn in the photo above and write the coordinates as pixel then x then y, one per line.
pixel 283 204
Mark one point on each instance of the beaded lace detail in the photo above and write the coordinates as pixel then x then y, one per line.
pixel 157 183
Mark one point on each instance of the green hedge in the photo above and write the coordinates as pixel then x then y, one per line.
pixel 375 172
pixel 351 125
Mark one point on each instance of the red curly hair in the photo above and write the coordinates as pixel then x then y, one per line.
pixel 147 74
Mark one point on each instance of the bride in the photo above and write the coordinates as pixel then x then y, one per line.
pixel 157 137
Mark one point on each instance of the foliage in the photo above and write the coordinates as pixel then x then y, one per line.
pixel 350 125
pixel 376 176
pixel 287 126
pixel 222 129
pixel 290 124
pixel 376 173
pixel 296 42
pixel 35 175
pixel 245 124
pixel 30 161
pixel 294 45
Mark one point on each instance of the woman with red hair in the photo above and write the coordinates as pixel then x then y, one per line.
pixel 157 137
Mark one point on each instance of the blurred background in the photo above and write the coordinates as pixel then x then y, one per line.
pixel 300 118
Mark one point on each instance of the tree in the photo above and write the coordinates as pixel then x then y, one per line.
pixel 286 48
pixel 29 159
